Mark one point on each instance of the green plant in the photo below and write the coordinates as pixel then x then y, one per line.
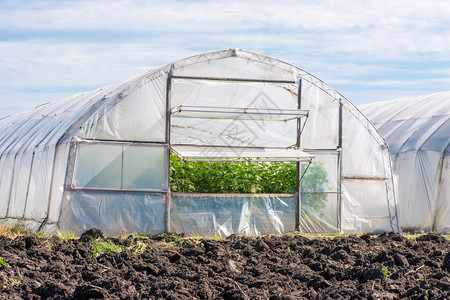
pixel 138 248
pixel 66 235
pixel 21 228
pixel 207 237
pixel 102 246
pixel 9 276
pixel 386 272
pixel 347 266
pixel 141 235
pixel 288 249
pixel 4 263
pixel 250 178
pixel 231 177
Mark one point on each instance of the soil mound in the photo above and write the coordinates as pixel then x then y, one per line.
pixel 92 233
pixel 388 266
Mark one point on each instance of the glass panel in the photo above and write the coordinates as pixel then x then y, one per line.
pixel 144 167
pixel 98 166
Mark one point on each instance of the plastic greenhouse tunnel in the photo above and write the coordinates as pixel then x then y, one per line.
pixel 226 142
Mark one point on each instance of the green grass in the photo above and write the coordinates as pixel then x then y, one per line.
pixel 103 246
pixel 20 229
pixel 137 248
pixel 65 235
pixel 4 263
pixel 7 275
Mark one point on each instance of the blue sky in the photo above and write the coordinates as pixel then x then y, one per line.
pixel 367 50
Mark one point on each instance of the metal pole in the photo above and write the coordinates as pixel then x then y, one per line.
pixel 339 212
pixel 298 200
pixel 168 111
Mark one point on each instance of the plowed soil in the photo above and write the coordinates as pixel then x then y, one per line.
pixel 388 266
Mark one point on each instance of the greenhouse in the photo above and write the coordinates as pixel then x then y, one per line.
pixel 107 158
pixel 417 130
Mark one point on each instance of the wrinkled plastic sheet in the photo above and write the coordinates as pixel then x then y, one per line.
pixel 115 213
pixel 442 223
pixel 417 131
pixel 319 213
pixel 223 215
pixel 360 210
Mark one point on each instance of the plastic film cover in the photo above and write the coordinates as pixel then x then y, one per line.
pixel 238 64
pixel 322 126
pixel 215 214
pixel 319 194
pixel 251 131
pixel 139 116
pixel 441 223
pixel 115 213
pixel 361 208
pixel 417 131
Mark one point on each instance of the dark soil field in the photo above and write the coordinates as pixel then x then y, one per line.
pixel 386 266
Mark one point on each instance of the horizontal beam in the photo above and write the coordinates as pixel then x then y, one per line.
pixel 232 79
pixel 362 177
pixel 237 113
pixel 228 153
pixel 231 195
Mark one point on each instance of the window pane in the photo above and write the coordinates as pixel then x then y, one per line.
pixel 98 166
pixel 144 167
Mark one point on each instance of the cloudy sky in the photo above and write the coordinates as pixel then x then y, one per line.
pixel 369 50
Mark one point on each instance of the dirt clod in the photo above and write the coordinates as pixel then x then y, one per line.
pixel 92 233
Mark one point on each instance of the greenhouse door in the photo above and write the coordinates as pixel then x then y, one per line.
pixel 238 123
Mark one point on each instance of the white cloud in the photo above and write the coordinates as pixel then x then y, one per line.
pixel 48 47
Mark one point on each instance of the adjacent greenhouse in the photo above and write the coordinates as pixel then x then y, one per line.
pixel 418 133
pixel 108 158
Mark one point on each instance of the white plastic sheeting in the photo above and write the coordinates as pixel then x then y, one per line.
pixel 254 130
pixel 319 194
pixel 141 113
pixel 418 133
pixel 39 182
pixel 225 214
pixel 115 213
